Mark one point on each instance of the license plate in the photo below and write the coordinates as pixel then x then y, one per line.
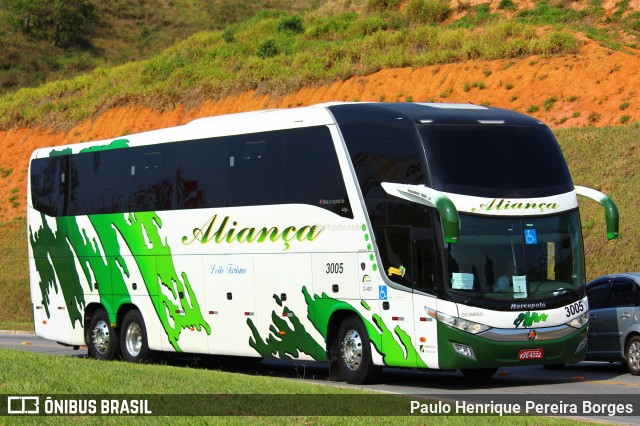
pixel 525 354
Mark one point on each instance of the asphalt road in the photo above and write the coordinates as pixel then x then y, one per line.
pixel 598 383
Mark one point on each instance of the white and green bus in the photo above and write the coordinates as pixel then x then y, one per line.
pixel 433 236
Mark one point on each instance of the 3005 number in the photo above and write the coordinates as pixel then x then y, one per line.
pixel 574 308
pixel 334 268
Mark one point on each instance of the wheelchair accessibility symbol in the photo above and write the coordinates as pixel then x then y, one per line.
pixel 530 236
pixel 382 292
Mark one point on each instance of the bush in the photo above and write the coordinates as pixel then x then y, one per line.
pixel 267 49
pixel 229 35
pixel 293 24
pixel 427 11
pixel 507 5
pixel 372 25
pixel 383 5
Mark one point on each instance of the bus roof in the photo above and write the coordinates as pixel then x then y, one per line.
pixel 316 115
pixel 429 113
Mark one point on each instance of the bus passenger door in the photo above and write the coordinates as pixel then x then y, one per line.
pixel 396 303
pixel 424 296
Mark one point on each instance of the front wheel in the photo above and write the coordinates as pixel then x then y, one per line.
pixel 133 342
pixel 101 337
pixel 632 355
pixel 354 352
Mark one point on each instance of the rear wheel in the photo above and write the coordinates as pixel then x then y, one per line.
pixel 133 343
pixel 354 352
pixel 101 337
pixel 632 355
pixel 479 373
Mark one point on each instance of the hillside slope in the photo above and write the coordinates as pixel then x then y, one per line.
pixel 597 86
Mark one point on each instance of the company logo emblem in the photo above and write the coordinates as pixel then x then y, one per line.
pixel 220 233
pixel 532 335
pixel 527 319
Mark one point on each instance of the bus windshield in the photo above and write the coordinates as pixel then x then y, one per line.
pixel 495 161
pixel 517 258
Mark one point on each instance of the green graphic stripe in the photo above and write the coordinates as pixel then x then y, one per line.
pixel 287 345
pixel 101 262
pixel 395 352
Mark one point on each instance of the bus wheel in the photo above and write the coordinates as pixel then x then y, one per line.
pixel 632 355
pixel 479 373
pixel 133 343
pixel 101 337
pixel 354 352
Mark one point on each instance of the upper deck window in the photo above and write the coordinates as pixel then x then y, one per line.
pixel 495 161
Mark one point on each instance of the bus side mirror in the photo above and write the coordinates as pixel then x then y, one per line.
pixel 610 210
pixel 424 195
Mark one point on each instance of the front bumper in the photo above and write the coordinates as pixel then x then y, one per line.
pixel 489 353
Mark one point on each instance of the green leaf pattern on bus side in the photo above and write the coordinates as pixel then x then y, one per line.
pixel 55 255
pixel 392 350
pixel 295 339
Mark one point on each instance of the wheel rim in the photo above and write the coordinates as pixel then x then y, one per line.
pixel 633 356
pixel 100 337
pixel 352 350
pixel 133 339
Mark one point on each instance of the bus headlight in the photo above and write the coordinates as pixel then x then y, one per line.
pixel 461 324
pixel 578 322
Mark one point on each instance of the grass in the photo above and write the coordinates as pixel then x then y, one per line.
pixel 129 31
pixel 23 373
pixel 212 64
pixel 605 159
pixel 15 305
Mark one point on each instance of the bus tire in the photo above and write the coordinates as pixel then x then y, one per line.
pixel 101 337
pixel 632 355
pixel 354 352
pixel 133 338
pixel 479 373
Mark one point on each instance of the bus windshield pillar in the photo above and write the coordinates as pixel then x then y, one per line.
pixel 430 197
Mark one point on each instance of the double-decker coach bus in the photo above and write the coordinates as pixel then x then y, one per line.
pixel 436 236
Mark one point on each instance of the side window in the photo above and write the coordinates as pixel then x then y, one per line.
pixel 382 153
pixel 403 230
pixel 255 170
pixel 311 172
pixel 201 174
pixel 98 182
pixel 49 178
pixel 621 294
pixel 597 295
pixel 152 175
pixel 394 244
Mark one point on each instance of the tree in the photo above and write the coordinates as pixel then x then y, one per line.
pixel 61 21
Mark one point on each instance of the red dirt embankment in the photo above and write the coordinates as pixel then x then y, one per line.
pixel 596 86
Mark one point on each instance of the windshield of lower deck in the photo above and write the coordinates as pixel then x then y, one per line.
pixel 517 258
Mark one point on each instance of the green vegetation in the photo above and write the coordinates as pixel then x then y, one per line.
pixel 260 57
pixel 22 373
pixel 606 159
pixel 49 40
pixel 549 102
pixel 15 303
